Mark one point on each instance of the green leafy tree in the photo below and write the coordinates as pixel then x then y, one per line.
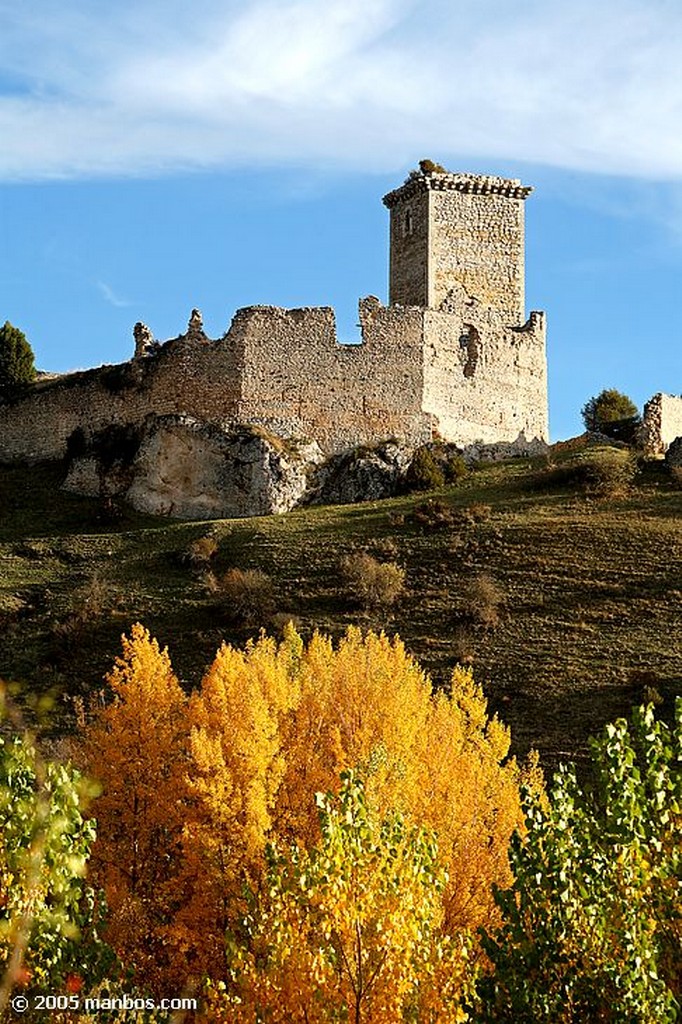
pixel 348 931
pixel 592 926
pixel 49 917
pixel 613 414
pixel 16 357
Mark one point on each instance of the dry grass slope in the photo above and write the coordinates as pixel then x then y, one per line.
pixel 587 587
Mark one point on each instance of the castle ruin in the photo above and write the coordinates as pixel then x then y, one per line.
pixel 451 356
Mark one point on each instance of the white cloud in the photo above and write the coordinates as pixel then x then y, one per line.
pixel 111 296
pixel 144 87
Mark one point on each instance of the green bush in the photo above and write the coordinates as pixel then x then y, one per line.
pixel 17 365
pixel 613 414
pixel 424 472
pixel 50 919
pixel 592 926
pixel 432 467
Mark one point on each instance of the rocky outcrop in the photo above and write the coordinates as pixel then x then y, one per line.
pixel 183 467
pixel 361 474
pixel 187 469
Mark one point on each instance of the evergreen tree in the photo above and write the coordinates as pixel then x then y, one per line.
pixel 16 357
pixel 611 413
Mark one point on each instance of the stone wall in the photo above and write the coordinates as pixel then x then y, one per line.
pixel 661 423
pixel 485 381
pixel 450 356
pixel 300 381
pixel 189 374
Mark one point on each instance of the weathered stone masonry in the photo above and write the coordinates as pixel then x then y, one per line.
pixel 661 423
pixel 451 356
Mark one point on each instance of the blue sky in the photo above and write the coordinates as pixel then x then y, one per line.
pixel 157 155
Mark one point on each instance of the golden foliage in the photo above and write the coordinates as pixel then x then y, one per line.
pixel 208 782
pixel 349 930
pixel 136 748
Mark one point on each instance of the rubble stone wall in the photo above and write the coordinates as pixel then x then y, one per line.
pixel 301 382
pixel 661 423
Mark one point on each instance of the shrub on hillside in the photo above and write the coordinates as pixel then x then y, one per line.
pixel 200 552
pixel 247 595
pixel 424 473
pixel 613 414
pixel 482 601
pixel 374 585
pixel 432 467
pixel 605 472
pixel 433 515
pixel 16 357
pixel 609 473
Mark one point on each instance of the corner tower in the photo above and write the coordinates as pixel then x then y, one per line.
pixel 452 231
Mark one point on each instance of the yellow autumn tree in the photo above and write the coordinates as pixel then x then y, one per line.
pixel 218 777
pixel 349 930
pixel 437 759
pixel 135 746
pixel 235 769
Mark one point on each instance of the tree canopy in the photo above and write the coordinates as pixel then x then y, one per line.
pixel 16 357
pixel 611 413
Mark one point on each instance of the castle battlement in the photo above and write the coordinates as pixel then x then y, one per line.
pixel 453 355
pixel 469 184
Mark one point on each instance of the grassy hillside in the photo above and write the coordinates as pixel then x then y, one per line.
pixel 590 588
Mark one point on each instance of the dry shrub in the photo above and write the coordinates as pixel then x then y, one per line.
pixel 483 599
pixel 676 476
pixel 433 515
pixel 609 473
pixel 247 594
pixel 281 621
pixel 90 603
pixel 374 585
pixel 478 512
pixel 385 547
pixel 200 552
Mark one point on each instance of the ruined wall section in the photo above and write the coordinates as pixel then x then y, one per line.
pixel 300 381
pixel 188 374
pixel 661 423
pixel 484 381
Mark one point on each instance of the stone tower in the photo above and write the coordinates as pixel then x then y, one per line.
pixel 450 230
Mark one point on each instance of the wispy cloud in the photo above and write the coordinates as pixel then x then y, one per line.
pixel 111 297
pixel 151 86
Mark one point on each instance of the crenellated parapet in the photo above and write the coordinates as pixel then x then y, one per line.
pixel 468 184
